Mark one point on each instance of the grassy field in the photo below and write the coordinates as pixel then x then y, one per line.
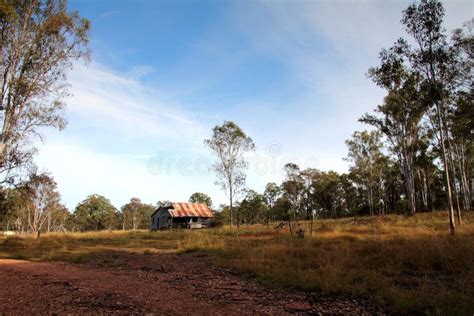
pixel 411 263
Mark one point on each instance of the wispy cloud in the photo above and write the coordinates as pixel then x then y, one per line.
pixel 107 14
pixel 116 126
pixel 139 72
pixel 327 46
pixel 110 100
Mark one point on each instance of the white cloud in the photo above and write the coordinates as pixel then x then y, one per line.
pixel 113 101
pixel 138 72
pixel 116 126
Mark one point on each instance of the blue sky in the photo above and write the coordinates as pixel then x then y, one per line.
pixel 163 73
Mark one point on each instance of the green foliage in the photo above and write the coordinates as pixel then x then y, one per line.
pixel 425 77
pixel 368 162
pixel 198 197
pixel 34 206
pixel 229 143
pixel 163 203
pixel 136 215
pixel 328 193
pixel 271 194
pixel 40 40
pixel 221 216
pixel 95 213
pixel 253 209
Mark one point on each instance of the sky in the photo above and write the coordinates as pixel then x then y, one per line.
pixel 291 74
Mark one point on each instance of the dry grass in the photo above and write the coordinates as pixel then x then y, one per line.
pixel 410 262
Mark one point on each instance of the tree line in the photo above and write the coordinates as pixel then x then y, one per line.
pixel 35 207
pixel 417 156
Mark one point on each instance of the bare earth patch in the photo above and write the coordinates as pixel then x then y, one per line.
pixel 156 284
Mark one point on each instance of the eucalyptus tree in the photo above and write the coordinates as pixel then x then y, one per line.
pixel 442 71
pixel 427 171
pixel 253 209
pixel 96 212
pixel 271 194
pixel 38 199
pixel 39 42
pixel 328 192
pixel 198 197
pixel 351 198
pixel 463 145
pixel 163 203
pixel 135 214
pixel 365 154
pixel 58 218
pixel 293 188
pixel 229 143
pixel 462 116
pixel 399 117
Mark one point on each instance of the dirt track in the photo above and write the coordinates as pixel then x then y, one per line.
pixel 164 284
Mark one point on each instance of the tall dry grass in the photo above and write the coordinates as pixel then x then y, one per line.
pixel 410 262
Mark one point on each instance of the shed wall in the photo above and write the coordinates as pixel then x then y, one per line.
pixel 161 219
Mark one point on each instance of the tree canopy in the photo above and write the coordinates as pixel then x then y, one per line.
pixel 229 143
pixel 198 197
pixel 39 42
pixel 96 213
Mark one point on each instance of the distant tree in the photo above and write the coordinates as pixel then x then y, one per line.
pixel 308 198
pixel 271 194
pixel 136 215
pixel 328 192
pixel 293 188
pixel 131 214
pixel 95 213
pixel 367 163
pixel 38 198
pixel 39 42
pixel 146 210
pixel 58 218
pixel 351 202
pixel 293 191
pixel 221 216
pixel 163 203
pixel 252 209
pixel 282 208
pixel 198 197
pixel 229 143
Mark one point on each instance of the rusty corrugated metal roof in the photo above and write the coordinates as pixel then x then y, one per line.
pixel 190 210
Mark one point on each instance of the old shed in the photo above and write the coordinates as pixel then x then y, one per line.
pixel 183 215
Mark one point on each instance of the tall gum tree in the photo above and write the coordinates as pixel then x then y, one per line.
pixel 39 41
pixel 398 118
pixel 229 143
pixel 364 152
pixel 442 71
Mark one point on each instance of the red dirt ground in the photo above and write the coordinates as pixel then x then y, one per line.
pixel 155 284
